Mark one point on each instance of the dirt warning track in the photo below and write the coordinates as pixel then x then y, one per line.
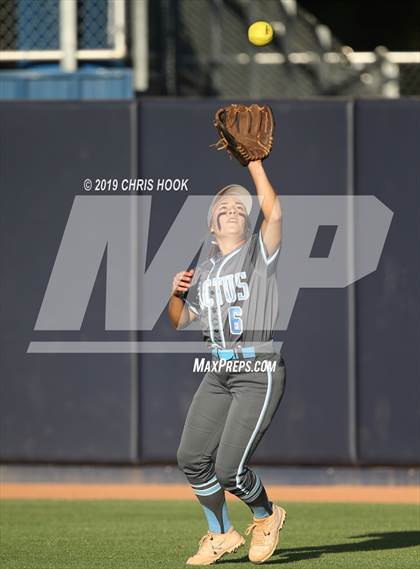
pixel 297 493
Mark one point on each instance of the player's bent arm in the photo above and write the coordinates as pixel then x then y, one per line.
pixel 179 315
pixel 270 206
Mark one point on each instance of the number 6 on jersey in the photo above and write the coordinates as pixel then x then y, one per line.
pixel 235 320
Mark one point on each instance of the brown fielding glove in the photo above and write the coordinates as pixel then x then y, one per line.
pixel 245 132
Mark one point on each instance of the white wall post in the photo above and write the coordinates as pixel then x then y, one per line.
pixel 68 35
pixel 140 43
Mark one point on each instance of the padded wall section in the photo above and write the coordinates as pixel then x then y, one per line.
pixel 388 329
pixel 54 406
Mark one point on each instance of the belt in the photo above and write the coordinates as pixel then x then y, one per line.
pixel 234 354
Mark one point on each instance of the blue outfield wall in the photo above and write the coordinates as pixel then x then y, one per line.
pixel 47 82
pixel 341 405
pixel 387 155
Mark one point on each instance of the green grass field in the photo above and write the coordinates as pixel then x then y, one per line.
pixel 124 534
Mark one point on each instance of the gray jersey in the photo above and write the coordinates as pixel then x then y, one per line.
pixel 235 295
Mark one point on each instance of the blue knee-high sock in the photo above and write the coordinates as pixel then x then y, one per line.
pixel 218 523
pixel 212 498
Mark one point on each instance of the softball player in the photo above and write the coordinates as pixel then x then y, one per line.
pixel 234 295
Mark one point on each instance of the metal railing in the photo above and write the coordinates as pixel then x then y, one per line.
pixel 387 62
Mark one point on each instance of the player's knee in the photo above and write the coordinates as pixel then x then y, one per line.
pixel 225 475
pixel 182 458
pixel 187 460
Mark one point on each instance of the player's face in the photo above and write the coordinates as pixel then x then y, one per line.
pixel 229 217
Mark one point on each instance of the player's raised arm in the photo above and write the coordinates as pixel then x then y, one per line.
pixel 179 315
pixel 247 134
pixel 270 205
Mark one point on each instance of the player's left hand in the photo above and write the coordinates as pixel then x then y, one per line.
pixel 182 282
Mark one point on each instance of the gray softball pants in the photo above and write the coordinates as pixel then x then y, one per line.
pixel 228 416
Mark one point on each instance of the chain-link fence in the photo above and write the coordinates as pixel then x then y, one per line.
pixel 30 29
pixel 93 24
pixel 29 25
pixel 410 78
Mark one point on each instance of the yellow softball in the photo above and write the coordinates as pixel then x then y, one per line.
pixel 260 33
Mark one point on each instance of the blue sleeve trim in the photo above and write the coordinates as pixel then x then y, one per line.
pixel 267 260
